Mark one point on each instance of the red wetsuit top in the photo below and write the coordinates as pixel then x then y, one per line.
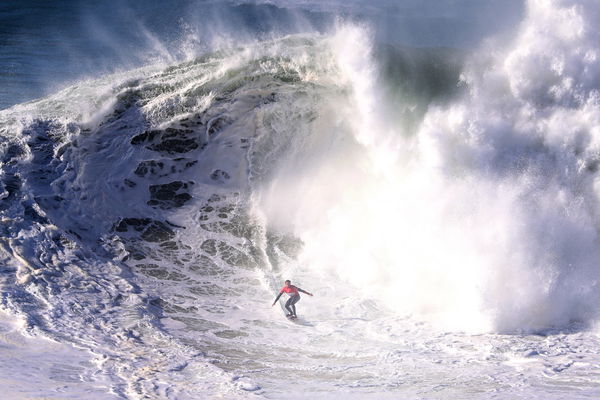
pixel 291 290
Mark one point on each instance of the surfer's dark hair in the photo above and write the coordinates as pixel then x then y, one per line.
pixel 287 280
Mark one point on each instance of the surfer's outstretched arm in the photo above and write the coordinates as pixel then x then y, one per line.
pixel 277 298
pixel 304 291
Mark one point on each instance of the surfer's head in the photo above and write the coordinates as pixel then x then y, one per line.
pixel 288 282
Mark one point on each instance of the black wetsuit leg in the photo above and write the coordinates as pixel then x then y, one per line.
pixel 289 305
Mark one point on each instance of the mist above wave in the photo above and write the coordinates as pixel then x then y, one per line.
pixel 43 54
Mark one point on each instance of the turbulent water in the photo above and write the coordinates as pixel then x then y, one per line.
pixel 430 173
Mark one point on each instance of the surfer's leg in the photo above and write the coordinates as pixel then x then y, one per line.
pixel 288 306
pixel 293 301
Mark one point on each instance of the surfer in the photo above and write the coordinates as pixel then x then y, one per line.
pixel 293 292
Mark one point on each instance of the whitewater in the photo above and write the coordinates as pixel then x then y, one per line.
pixel 436 189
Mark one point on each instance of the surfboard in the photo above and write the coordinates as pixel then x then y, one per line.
pixel 299 321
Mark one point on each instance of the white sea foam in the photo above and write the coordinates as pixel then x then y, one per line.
pixel 487 218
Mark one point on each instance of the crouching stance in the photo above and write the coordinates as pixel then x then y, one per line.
pixel 293 292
